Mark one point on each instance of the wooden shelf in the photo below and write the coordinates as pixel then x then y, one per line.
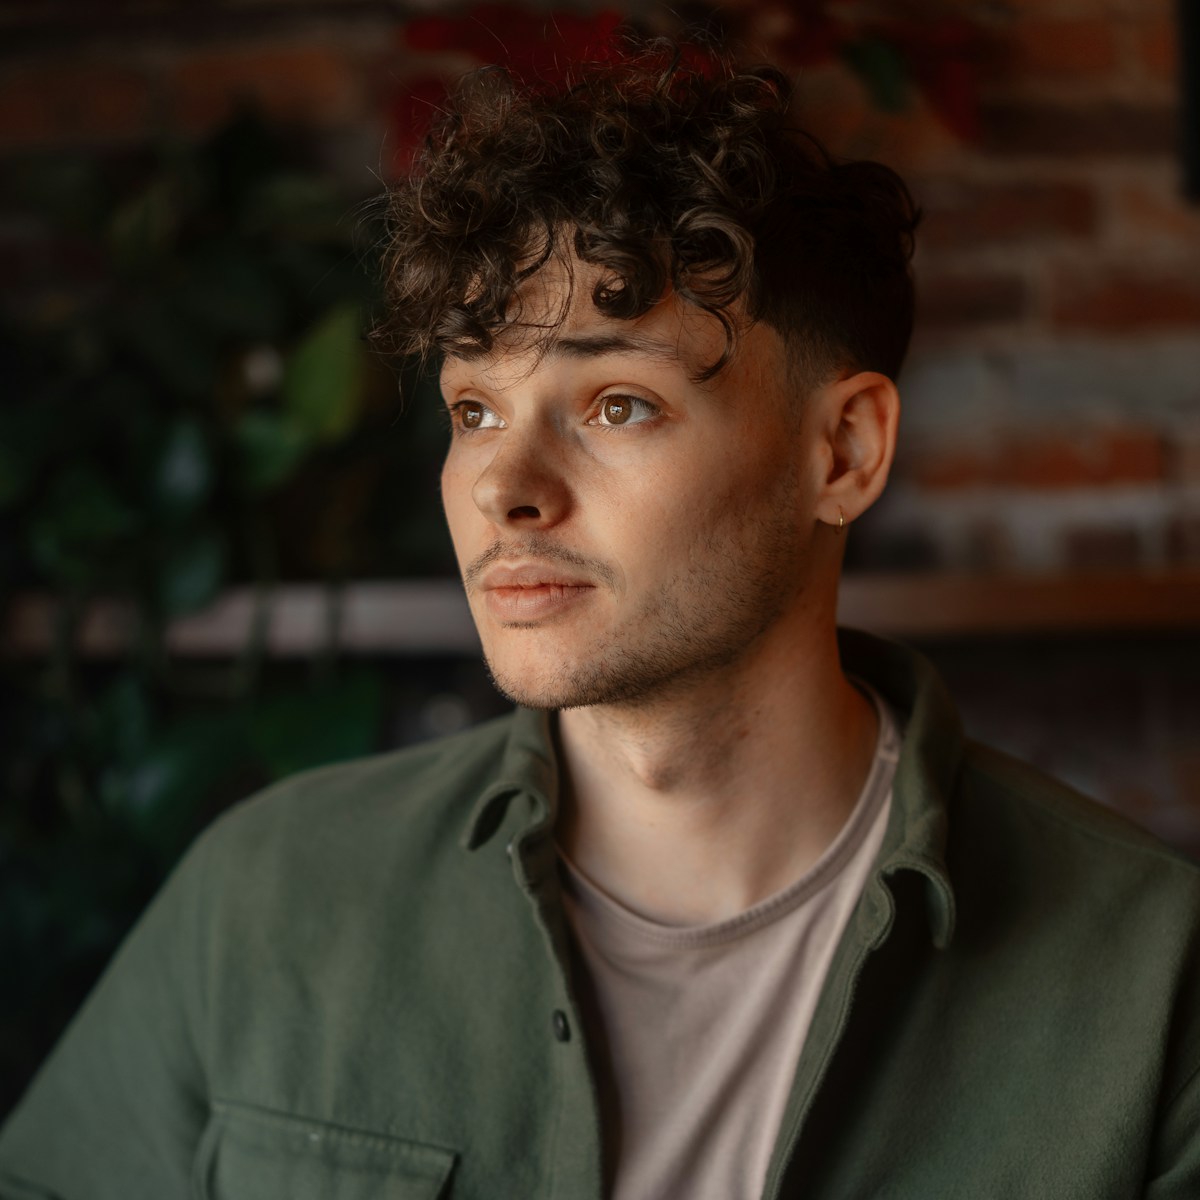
pixel 949 605
pixel 425 617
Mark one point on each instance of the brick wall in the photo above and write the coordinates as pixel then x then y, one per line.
pixel 106 78
pixel 1053 395
pixel 1052 401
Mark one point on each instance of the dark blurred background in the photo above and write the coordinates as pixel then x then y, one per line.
pixel 221 551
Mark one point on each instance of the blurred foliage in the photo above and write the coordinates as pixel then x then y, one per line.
pixel 189 403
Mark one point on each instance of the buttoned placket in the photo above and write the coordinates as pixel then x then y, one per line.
pixel 866 935
pixel 576 1159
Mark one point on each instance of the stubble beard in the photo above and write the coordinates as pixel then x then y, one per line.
pixel 687 632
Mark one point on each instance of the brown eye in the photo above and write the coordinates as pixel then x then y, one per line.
pixel 617 410
pixel 471 415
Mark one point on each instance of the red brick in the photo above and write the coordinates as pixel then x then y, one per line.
pixel 1183 540
pixel 963 215
pixel 1158 48
pixel 836 107
pixel 1058 48
pixel 56 103
pixel 955 300
pixel 1046 463
pixel 1131 456
pixel 1183 452
pixel 951 469
pixel 1124 300
pixel 1087 458
pixel 1097 548
pixel 1117 9
pixel 1072 130
pixel 306 84
pixel 1069 8
pixel 1146 214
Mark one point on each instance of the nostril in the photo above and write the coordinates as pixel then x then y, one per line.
pixel 524 510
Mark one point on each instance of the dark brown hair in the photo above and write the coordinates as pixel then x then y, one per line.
pixel 669 169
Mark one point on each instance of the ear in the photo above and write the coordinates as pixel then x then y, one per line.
pixel 859 416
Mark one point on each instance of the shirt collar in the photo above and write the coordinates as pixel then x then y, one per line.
pixel 528 768
pixel 930 757
pixel 926 774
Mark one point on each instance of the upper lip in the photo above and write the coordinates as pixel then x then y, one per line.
pixel 530 575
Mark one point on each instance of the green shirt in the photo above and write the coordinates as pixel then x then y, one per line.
pixel 357 985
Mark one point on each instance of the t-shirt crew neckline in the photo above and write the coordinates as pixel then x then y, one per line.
pixel 875 791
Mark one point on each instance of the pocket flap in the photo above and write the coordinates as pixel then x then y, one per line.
pixel 254 1154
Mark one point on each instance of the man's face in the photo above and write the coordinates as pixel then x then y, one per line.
pixel 622 530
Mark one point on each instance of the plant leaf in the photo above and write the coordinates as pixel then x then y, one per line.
pixel 192 572
pixel 881 66
pixel 183 473
pixel 294 731
pixel 269 447
pixel 145 227
pixel 78 526
pixel 322 379
pixel 162 795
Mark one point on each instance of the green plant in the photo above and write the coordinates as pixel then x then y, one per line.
pixel 191 403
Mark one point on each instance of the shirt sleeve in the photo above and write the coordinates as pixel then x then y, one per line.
pixel 118 1108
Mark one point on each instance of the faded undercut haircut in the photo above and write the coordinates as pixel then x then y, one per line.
pixel 670 169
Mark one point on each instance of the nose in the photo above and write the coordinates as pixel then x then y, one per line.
pixel 524 484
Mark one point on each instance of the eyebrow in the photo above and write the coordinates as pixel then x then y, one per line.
pixel 597 345
pixel 589 346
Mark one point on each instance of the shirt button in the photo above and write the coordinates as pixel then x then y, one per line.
pixel 562 1027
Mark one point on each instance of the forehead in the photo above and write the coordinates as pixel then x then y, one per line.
pixel 554 320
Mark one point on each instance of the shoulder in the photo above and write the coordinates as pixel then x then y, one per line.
pixel 350 824
pixel 450 768
pixel 1091 919
pixel 994 778
pixel 1046 837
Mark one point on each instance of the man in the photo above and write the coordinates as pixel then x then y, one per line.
pixel 728 908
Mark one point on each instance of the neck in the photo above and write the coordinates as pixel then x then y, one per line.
pixel 691 807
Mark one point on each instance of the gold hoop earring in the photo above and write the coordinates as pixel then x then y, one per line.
pixel 841 519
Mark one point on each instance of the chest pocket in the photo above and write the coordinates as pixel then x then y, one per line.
pixel 247 1154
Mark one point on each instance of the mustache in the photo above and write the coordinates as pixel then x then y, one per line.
pixel 537 548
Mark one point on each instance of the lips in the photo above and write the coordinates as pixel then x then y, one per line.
pixel 529 576
pixel 532 591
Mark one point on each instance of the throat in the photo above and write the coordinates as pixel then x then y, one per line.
pixel 695 820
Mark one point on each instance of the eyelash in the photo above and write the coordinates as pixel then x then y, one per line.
pixel 454 413
pixel 636 400
pixel 457 425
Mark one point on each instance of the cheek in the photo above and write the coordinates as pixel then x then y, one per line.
pixel 457 502
pixel 449 482
pixel 666 518
pixel 748 489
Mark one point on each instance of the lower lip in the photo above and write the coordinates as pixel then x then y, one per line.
pixel 535 603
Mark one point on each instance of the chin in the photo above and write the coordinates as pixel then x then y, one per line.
pixel 542 689
pixel 622 679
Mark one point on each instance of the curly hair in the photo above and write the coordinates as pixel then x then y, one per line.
pixel 667 170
